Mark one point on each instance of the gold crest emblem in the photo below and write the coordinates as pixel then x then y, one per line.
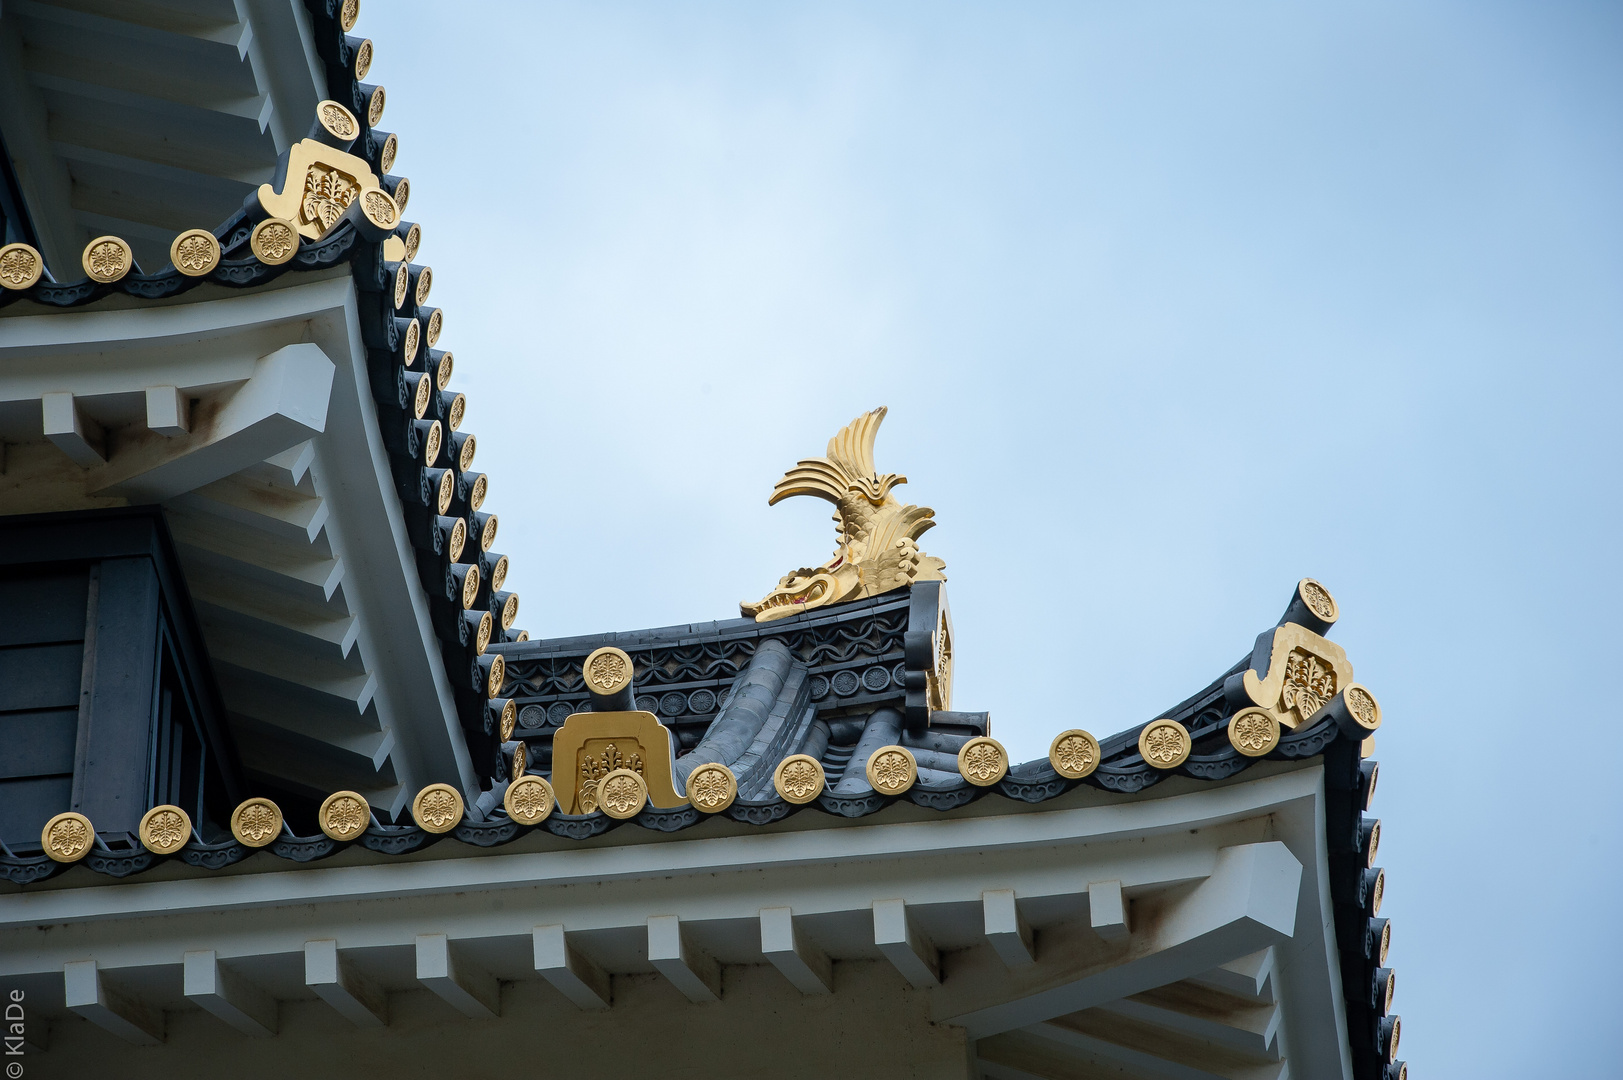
pixel 327 193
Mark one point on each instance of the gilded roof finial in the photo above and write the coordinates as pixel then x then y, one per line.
pixel 877 535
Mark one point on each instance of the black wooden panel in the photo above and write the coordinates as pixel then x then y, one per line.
pixel 37 743
pixel 131 746
pixel 40 676
pixel 113 786
pixel 40 607
pixel 26 805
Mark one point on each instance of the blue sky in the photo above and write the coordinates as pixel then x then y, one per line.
pixel 1172 304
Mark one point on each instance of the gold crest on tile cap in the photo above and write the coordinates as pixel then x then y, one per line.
pixel 256 822
pixel 1254 732
pixel 1164 743
pixel 420 399
pixel 431 444
pixel 476 498
pixel 464 460
pixel 195 252
pixel 983 761
pixel 447 491
pixel 402 283
pixel 622 794
pixel 481 642
pixel 892 770
pixel 348 13
pixel 607 671
pixel 1073 754
pixel 380 209
pixel 402 195
pixel 21 266
pixel 436 323
pixel 337 121
pixel 374 106
pixel 529 800
pixel 344 815
pixel 67 837
pixel 164 830
pixel 1317 599
pixel 509 711
pixel 425 282
pixel 521 759
pixel 437 808
pixel 274 241
pixel 386 156
pixel 799 779
pixel 363 58
pixel 106 259
pixel 712 787
pixel 497 677
pixel 1362 706
pixel 442 379
pixel 470 587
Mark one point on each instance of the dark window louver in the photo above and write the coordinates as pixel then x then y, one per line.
pixel 16 226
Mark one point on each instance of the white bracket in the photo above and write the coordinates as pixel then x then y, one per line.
pixel 75 434
pixel 1007 930
pixel 473 993
pixel 336 982
pixel 694 973
pixel 805 965
pixel 167 411
pixel 87 996
pixel 910 951
pixel 282 405
pixel 575 976
pixel 1107 908
pixel 1249 977
pixel 218 990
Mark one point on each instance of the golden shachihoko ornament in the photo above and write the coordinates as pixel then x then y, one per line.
pixel 877 534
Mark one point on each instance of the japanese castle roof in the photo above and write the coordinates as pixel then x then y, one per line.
pixel 839 684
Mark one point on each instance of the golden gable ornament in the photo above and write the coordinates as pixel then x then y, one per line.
pixel 877 535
